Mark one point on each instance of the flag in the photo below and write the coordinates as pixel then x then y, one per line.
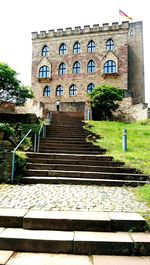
pixel 122 14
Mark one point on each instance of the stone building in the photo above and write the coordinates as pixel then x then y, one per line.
pixel 67 65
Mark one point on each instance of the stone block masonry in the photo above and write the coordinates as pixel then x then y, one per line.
pixel 66 63
pixel 99 36
pixel 5 161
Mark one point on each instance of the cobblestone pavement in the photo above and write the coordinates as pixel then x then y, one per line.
pixel 71 197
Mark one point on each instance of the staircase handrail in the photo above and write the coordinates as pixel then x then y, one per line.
pixel 43 127
pixel 49 117
pixel 14 153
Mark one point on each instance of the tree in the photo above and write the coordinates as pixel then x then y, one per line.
pixel 104 100
pixel 11 89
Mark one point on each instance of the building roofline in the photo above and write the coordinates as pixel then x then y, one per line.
pixel 78 30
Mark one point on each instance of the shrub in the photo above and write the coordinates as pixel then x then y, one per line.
pixel 104 101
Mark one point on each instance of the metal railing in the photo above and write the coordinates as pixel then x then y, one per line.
pixel 37 136
pixel 14 154
pixel 49 117
pixel 36 146
pixel 43 132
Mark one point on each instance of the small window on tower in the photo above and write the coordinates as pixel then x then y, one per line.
pixel 110 46
pixel 62 49
pixel 45 51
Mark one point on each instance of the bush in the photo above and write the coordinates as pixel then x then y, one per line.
pixel 20 165
pixel 14 133
pixel 104 101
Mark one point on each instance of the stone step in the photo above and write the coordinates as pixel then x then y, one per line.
pixel 67 135
pixel 25 258
pixel 63 149
pixel 70 128
pixel 50 150
pixel 86 174
pixel 78 242
pixel 71 220
pixel 74 162
pixel 56 139
pixel 83 221
pixel 72 146
pixel 66 167
pixel 82 181
pixel 65 139
pixel 66 123
pixel 68 144
pixel 70 156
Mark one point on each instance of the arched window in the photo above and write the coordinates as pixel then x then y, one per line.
pixel 62 69
pixel 73 90
pixel 76 48
pixel 59 91
pixel 76 68
pixel 91 67
pixel 47 91
pixel 110 45
pixel 44 72
pixel 131 33
pixel 110 67
pixel 91 46
pixel 90 88
pixel 45 51
pixel 62 49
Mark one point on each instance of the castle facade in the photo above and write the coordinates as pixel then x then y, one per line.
pixel 68 64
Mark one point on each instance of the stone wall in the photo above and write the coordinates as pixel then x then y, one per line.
pixel 6 107
pixel 5 161
pixel 31 106
pixel 129 111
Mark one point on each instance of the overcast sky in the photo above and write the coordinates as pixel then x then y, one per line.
pixel 18 18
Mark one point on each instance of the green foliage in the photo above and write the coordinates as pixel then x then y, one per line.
pixel 104 100
pixel 7 129
pixel 138 139
pixel 11 89
pixel 14 133
pixel 144 193
pixel 20 165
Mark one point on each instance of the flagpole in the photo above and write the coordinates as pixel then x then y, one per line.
pixel 119 15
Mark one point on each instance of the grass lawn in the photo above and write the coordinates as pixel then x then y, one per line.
pixel 138 142
pixel 143 194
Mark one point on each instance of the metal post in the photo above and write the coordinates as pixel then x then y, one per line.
pixel 35 142
pixel 85 113
pixel 124 140
pixel 38 144
pixel 13 166
pixel 88 114
pixel 43 135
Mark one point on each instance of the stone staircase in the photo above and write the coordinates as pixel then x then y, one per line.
pixel 84 233
pixel 66 157
pixel 104 237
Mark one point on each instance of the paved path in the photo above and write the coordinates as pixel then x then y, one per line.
pixel 71 197
pixel 10 258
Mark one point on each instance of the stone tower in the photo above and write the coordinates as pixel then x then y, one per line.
pixel 136 62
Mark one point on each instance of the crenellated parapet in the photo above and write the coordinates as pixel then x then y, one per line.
pixel 79 30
